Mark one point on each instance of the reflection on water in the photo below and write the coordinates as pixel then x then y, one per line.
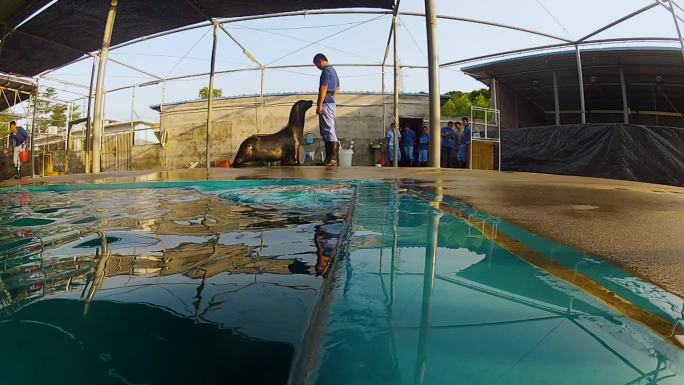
pixel 424 298
pixel 161 286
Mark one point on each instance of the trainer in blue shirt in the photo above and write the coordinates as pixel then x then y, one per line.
pixel 447 153
pixel 423 145
pixel 409 143
pixel 464 146
pixel 329 87
pixel 17 140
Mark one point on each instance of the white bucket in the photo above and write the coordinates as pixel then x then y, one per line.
pixel 346 157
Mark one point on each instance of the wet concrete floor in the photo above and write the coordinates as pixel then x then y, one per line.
pixel 638 226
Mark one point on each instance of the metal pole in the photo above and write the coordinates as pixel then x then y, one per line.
pixel 89 121
pixel 433 72
pixel 133 109
pixel 625 105
pixel 66 129
pixel 583 111
pixel 211 96
pixel 493 95
pixel 34 127
pixel 384 104
pixel 262 102
pixel 163 94
pixel 679 32
pixel 396 92
pixel 556 99
pixel 98 119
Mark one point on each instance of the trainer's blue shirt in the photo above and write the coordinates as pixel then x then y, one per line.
pixel 18 138
pixel 465 139
pixel 424 142
pixel 447 142
pixel 409 138
pixel 329 78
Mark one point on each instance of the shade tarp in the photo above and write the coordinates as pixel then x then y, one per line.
pixel 651 154
pixel 69 28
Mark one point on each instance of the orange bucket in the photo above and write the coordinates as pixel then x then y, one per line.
pixel 23 156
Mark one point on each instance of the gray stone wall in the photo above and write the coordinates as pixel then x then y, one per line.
pixel 359 119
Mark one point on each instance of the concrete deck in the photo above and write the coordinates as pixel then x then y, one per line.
pixel 638 226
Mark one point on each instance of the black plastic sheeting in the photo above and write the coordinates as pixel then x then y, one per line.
pixel 617 151
pixel 68 28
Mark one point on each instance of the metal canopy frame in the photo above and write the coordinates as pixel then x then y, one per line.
pixel 433 64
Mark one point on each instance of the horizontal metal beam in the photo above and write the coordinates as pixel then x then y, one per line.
pixel 560 45
pixel 332 12
pixel 249 69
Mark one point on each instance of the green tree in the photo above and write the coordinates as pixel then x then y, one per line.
pixel 204 93
pixel 461 102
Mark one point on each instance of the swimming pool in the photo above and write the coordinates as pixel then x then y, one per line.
pixel 232 282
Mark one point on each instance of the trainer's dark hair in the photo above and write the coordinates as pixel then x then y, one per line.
pixel 13 123
pixel 319 57
pixel 467 119
pixel 451 122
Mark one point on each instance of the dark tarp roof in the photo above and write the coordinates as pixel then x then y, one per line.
pixel 68 28
pixel 9 87
pixel 532 78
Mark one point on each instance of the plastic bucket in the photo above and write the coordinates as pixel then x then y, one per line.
pixel 346 157
pixel 24 156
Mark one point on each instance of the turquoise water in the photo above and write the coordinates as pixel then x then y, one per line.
pixel 162 284
pixel 232 282
pixel 450 307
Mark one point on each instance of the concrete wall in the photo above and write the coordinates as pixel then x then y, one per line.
pixel 147 157
pixel 359 119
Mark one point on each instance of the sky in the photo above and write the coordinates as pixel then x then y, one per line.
pixel 350 39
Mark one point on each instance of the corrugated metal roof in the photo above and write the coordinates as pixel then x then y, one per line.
pixel 654 78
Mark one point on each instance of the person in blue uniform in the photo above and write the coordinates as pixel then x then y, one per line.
pixel 329 87
pixel 408 144
pixel 17 141
pixel 423 146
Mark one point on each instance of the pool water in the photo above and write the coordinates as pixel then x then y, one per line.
pixel 449 306
pixel 294 282
pixel 208 284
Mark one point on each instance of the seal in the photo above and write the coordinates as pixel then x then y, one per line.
pixel 281 146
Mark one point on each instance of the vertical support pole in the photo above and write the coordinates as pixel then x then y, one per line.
pixel 34 127
pixel 395 25
pixel 211 95
pixel 66 129
pixel 98 119
pixel 625 105
pixel 556 99
pixel 133 116
pixel 493 89
pixel 433 72
pixel 679 32
pixel 163 96
pixel 262 104
pixel 384 104
pixel 89 121
pixel 583 111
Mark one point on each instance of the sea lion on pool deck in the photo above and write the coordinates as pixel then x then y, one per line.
pixel 281 146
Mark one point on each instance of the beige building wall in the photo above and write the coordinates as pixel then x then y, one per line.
pixel 359 119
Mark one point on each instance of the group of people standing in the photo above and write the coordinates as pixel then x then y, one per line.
pixel 414 148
